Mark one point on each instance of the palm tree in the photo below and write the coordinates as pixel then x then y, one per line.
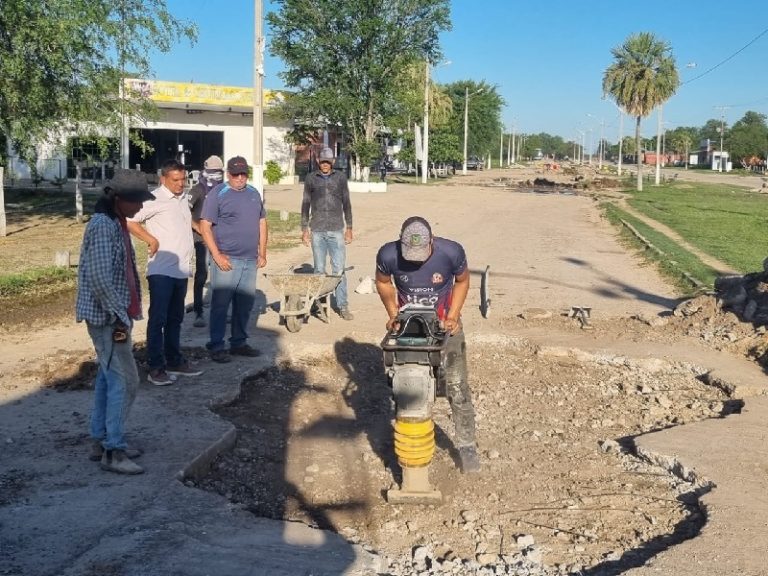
pixel 643 76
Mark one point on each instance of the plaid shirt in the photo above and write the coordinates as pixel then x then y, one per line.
pixel 103 295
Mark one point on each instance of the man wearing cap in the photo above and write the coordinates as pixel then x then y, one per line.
pixel 211 176
pixel 109 300
pixel 423 269
pixel 327 212
pixel 166 226
pixel 234 226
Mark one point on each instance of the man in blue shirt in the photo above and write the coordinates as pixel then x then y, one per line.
pixel 422 269
pixel 234 227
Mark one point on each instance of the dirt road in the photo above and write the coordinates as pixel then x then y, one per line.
pixel 314 436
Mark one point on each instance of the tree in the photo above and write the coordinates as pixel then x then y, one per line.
pixel 63 62
pixel 748 138
pixel 344 59
pixel 642 77
pixel 484 115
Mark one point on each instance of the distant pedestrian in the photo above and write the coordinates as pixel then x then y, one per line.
pixel 109 300
pixel 383 170
pixel 234 227
pixel 167 230
pixel 211 176
pixel 326 220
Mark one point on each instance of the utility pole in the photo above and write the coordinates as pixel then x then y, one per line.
pixel 621 137
pixel 513 144
pixel 258 97
pixel 722 133
pixel 658 147
pixel 425 157
pixel 501 147
pixel 601 148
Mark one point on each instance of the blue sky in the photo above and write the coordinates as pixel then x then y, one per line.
pixel 546 58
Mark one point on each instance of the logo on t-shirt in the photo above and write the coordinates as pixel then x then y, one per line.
pixel 404 279
pixel 437 278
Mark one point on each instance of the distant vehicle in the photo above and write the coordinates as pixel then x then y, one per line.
pixel 475 163
pixel 538 154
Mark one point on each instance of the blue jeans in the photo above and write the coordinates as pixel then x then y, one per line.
pixel 238 288
pixel 166 313
pixel 117 382
pixel 331 244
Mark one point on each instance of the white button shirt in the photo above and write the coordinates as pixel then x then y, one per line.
pixel 168 218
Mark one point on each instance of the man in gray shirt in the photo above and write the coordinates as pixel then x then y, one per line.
pixel 326 220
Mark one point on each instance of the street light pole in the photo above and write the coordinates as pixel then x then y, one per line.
pixel 658 147
pixel 621 136
pixel 258 98
pixel 425 140
pixel 466 125
pixel 501 147
pixel 601 147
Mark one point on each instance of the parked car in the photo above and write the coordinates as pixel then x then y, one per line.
pixel 475 163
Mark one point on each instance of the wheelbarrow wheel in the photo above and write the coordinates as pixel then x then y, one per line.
pixel 292 304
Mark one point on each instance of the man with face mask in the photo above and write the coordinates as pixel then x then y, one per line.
pixel 211 176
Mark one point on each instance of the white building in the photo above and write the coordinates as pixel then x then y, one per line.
pixel 195 121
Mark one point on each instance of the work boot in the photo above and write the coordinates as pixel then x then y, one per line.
pixel 470 461
pixel 117 461
pixel 97 451
pixel 199 321
pixel 346 314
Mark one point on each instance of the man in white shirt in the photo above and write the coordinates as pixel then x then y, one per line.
pixel 167 230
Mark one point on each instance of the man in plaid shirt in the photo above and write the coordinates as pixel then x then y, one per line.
pixel 109 300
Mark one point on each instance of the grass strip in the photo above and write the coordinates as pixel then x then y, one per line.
pixel 675 260
pixel 726 222
pixel 39 280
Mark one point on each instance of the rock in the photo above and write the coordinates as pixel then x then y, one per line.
pixel 609 446
pixel 524 540
pixel 367 286
pixel 535 314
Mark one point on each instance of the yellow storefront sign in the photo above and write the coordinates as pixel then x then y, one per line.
pixel 192 93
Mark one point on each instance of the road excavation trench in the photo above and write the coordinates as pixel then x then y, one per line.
pixel 559 484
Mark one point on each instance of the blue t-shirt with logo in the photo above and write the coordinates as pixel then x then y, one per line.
pixel 427 283
pixel 235 215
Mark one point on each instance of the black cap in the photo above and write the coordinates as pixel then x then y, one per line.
pixel 237 165
pixel 130 185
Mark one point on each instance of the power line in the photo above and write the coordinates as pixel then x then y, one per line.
pixel 731 57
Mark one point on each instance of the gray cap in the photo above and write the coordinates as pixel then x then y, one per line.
pixel 415 239
pixel 130 185
pixel 214 163
pixel 326 155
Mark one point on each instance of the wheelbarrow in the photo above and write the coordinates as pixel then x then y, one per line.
pixel 299 292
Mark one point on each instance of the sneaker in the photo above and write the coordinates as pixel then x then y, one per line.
pixel 245 350
pixel 159 377
pixel 346 314
pixel 199 321
pixel 183 370
pixel 221 356
pixel 470 461
pixel 97 451
pixel 117 461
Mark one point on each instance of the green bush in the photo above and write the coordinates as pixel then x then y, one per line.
pixel 273 172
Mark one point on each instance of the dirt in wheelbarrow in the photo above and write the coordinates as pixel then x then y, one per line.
pixel 558 487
